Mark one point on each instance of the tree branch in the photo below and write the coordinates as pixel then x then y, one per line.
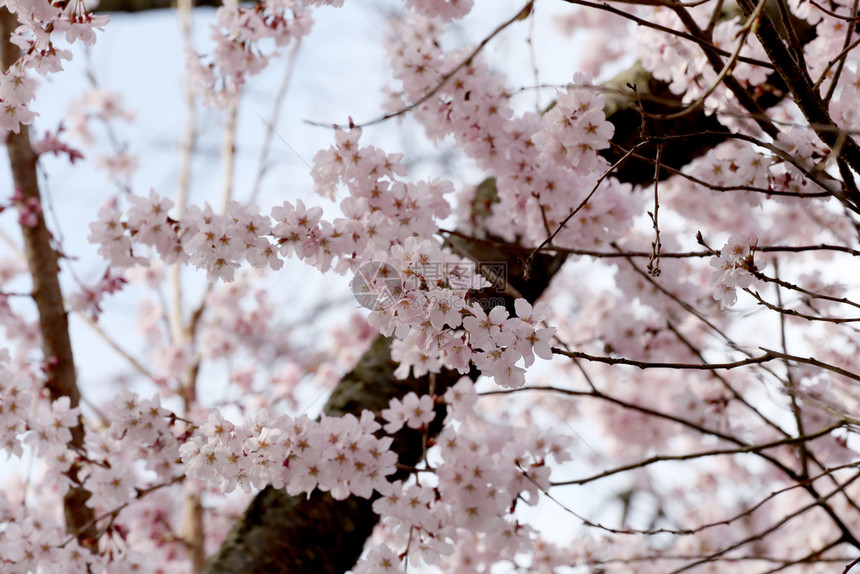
pixel 42 260
pixel 807 98
pixel 143 5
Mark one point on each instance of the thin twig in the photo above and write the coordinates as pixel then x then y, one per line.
pixel 443 80
pixel 274 117
pixel 656 245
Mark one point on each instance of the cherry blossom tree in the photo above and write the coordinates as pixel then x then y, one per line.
pixel 624 339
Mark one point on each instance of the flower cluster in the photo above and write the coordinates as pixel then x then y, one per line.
pixel 804 147
pixel 444 10
pixel 433 305
pixel 576 127
pixel 437 325
pixel 39 23
pixel 412 411
pixel 89 299
pixel 384 215
pixel 340 455
pixel 15 400
pixel 480 474
pixel 733 268
pixel 31 544
pixel 734 166
pixel 35 539
pixel 544 166
pixel 149 426
pixel 686 67
pixel 831 30
pixel 96 104
pixel 104 107
pixel 241 34
pixel 115 466
pixel 380 211
pixel 29 420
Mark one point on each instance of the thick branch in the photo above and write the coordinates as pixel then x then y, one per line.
pixel 807 98
pixel 59 365
pixel 142 5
